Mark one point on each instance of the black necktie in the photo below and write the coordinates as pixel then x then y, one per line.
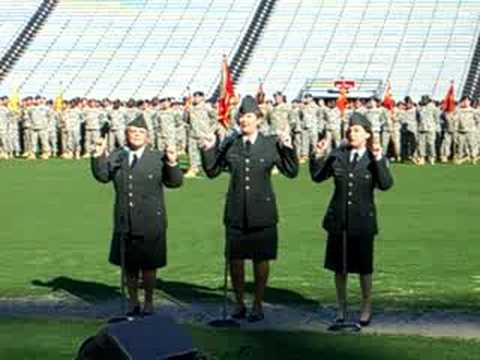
pixel 355 159
pixel 248 146
pixel 134 161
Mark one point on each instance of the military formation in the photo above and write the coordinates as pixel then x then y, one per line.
pixel 420 133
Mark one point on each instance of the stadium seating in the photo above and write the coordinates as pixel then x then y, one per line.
pixel 13 17
pixel 144 48
pixel 420 45
pixel 131 48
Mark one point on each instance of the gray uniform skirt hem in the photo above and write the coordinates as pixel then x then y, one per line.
pixel 359 254
pixel 256 244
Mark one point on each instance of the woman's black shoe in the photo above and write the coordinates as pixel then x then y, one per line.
pixel 255 316
pixel 134 312
pixel 365 323
pixel 240 314
pixel 147 313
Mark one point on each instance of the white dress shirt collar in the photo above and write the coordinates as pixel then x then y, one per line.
pixel 138 153
pixel 253 137
pixel 360 153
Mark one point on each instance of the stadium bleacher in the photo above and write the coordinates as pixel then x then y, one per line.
pixel 12 20
pixel 144 48
pixel 130 48
pixel 419 45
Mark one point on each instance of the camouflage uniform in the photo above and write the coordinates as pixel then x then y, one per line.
pixel 428 120
pixel 180 129
pixel 311 114
pixel 14 133
pixel 165 128
pixel 118 122
pixel 202 122
pixel 378 118
pixel 264 127
pixel 151 118
pixel 94 118
pixel 53 129
pixel 448 136
pixel 391 131
pixel 5 148
pixel 466 123
pixel 333 127
pixel 279 117
pixel 296 125
pixel 409 133
pixel 71 130
pixel 40 120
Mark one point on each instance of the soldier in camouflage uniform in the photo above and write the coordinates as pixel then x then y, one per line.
pixel 296 125
pixel 428 123
pixel 467 121
pixel 150 113
pixel 5 146
pixel 94 118
pixel 201 122
pixel 378 118
pixel 392 131
pixel 476 106
pixel 409 130
pixel 13 131
pixel 311 114
pixel 40 115
pixel 448 131
pixel 118 123
pixel 71 130
pixel 26 127
pixel 53 129
pixel 165 125
pixel 265 108
pixel 333 125
pixel 180 127
pixel 279 115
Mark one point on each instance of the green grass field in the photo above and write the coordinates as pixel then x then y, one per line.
pixel 59 340
pixel 56 224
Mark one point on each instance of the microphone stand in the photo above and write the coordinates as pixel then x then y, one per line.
pixel 345 325
pixel 225 321
pixel 123 227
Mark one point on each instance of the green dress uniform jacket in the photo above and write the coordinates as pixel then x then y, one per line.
pixel 250 198
pixel 139 210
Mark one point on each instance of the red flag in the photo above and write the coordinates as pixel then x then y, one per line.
pixel 388 101
pixel 226 94
pixel 342 100
pixel 448 104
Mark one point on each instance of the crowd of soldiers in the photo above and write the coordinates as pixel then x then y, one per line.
pixel 420 133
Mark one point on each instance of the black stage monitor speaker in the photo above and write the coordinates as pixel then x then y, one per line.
pixel 150 338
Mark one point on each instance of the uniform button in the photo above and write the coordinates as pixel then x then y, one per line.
pixel 349 203
pixel 130 177
pixel 130 204
pixel 247 187
pixel 130 186
pixel 349 194
pixel 351 175
pixel 247 169
pixel 247 161
pixel 350 184
pixel 130 194
pixel 247 178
